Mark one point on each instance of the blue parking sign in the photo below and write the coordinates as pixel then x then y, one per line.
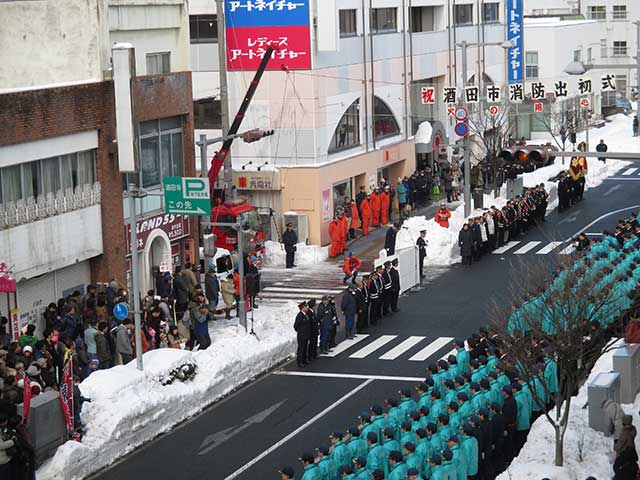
pixel 120 311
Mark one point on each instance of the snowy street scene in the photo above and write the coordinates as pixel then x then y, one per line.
pixel 319 240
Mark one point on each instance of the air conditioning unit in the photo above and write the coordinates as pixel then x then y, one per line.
pixel 300 225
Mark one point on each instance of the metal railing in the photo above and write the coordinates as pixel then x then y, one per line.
pixel 33 209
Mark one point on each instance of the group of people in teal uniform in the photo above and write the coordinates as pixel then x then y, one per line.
pixel 467 420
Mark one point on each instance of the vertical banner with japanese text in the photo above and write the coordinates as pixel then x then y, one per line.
pixel 515 33
pixel 252 25
pixel 66 394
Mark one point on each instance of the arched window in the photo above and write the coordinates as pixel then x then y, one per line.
pixel 347 132
pixel 384 123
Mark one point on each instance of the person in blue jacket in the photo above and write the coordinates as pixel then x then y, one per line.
pixel 365 424
pixel 448 467
pixel 378 420
pixel 389 443
pixel 377 457
pixel 453 366
pixel 523 416
pixel 411 458
pixel 437 404
pixel 414 474
pixel 339 451
pixel 459 458
pixel 345 472
pixel 357 445
pixel 551 378
pixel 406 402
pixel 287 473
pixel 394 415
pixel 424 398
pixel 469 446
pixel 326 466
pixel 397 468
pixel 311 471
pixel 360 470
pixel 437 472
pixel 462 356
pixel 406 433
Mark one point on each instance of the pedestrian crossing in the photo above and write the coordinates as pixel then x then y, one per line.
pixel 536 247
pixel 414 348
pixel 299 284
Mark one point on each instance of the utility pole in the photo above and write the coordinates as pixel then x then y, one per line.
pixel 224 95
pixel 637 63
pixel 467 156
pixel 135 275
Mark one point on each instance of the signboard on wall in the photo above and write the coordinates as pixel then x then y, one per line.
pixel 175 226
pixel 253 180
pixel 515 33
pixel 252 25
pixel 326 206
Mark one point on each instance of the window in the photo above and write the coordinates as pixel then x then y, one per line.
pixel 348 27
pixel 207 114
pixel 347 132
pixel 577 55
pixel 619 12
pixel 422 19
pixel 160 150
pixel 203 28
pixel 463 15
pixel 589 55
pixel 49 175
pixel 490 12
pixel 384 20
pixel 384 123
pixel 158 63
pixel 603 48
pixel 620 48
pixel 597 12
pixel 531 59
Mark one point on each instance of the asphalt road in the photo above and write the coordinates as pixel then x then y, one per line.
pixel 270 422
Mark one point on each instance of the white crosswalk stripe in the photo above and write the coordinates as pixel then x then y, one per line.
pixel 408 344
pixel 526 248
pixel 343 346
pixel 630 171
pixel 550 247
pixel 568 250
pixel 506 248
pixel 431 349
pixel 373 346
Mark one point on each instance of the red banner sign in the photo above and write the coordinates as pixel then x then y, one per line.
pixel 66 394
pixel 7 285
pixel 26 401
pixel 175 226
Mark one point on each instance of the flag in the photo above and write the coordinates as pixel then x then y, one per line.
pixel 66 394
pixel 26 400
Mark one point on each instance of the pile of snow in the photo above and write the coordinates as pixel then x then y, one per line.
pixel 275 256
pixel 442 248
pixel 129 407
pixel 586 452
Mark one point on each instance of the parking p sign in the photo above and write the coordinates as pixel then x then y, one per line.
pixel 187 195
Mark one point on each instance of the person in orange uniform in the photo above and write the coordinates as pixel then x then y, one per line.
pixel 442 216
pixel 375 207
pixel 350 268
pixel 355 219
pixel 334 234
pixel 344 229
pixel 365 214
pixel 385 202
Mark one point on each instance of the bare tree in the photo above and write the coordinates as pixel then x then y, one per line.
pixel 557 323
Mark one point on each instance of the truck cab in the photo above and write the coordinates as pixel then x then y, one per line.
pixel 242 212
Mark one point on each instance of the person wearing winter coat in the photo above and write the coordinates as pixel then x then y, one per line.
pixel 390 239
pixel 163 284
pixel 290 239
pixel 189 278
pixel 613 414
pixel 442 216
pixel 365 215
pixel 123 341
pixel 334 234
pixel 374 202
pixel 349 307
pixel 625 466
pixel 103 348
pixel 200 316
pixel 212 288
pixel 302 326
pixel 70 324
pixel 180 293
pixel 228 294
pixel 385 203
pixel 324 315
pixel 465 242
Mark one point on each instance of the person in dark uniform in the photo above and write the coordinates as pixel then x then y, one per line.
pixel 395 285
pixel 422 250
pixel 302 326
pixel 390 239
pixel 375 298
pixel 324 317
pixel 387 294
pixel 290 238
pixel 335 322
pixel 362 310
pixel 312 350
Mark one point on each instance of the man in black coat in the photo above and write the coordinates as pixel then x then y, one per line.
pixel 387 294
pixel 324 316
pixel 422 250
pixel 360 196
pixel 312 349
pixel 375 297
pixel 484 455
pixel 602 147
pixel 349 307
pixel 302 326
pixel 290 239
pixel 362 304
pixel 510 414
pixel 180 293
pixel 390 239
pixel 497 438
pixel 395 285
pixel 465 242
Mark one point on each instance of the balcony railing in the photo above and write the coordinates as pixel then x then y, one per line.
pixel 33 209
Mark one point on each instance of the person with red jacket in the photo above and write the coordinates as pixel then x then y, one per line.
pixel 443 215
pixel 344 230
pixel 334 234
pixel 350 268
pixel 365 214
pixel 375 208
pixel 355 219
pixel 385 203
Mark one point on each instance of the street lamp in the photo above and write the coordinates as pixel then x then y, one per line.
pixel 506 44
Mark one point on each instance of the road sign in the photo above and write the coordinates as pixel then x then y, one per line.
pixel 461 113
pixel 585 102
pixel 494 110
pixel 461 129
pixel 187 196
pixel 120 311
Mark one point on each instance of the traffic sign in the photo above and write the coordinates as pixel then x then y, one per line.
pixel 494 110
pixel 187 195
pixel 461 113
pixel 120 311
pixel 461 129
pixel 585 102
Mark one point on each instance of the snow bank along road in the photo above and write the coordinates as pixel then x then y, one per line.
pixel 270 422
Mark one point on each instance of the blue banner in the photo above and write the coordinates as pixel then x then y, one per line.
pixel 266 13
pixel 515 33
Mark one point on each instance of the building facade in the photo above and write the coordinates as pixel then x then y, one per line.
pixel 62 213
pixel 347 117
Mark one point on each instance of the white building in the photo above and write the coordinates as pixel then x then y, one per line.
pixel 349 120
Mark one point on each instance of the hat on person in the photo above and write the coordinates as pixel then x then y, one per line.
pixel 306 457
pixel 406 425
pixel 301 305
pixel 337 435
pixel 508 389
pixel 323 449
pixel 412 472
pixel 395 455
pixel 389 432
pixel 432 427
pixel 410 446
pixel 311 303
pixel 362 461
pixel 354 431
pixel 27 348
pixel 288 471
pixel 483 412
pixel 377 409
pixel 396 224
pixel 393 401
pixel 42 362
pixel 454 438
pixel 345 469
pixel 387 263
pixel 406 392
pixel 437 459
pixel 394 261
pixel 32 371
pixel 467 428
pixel 372 437
pixel 462 396
pixel 366 416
